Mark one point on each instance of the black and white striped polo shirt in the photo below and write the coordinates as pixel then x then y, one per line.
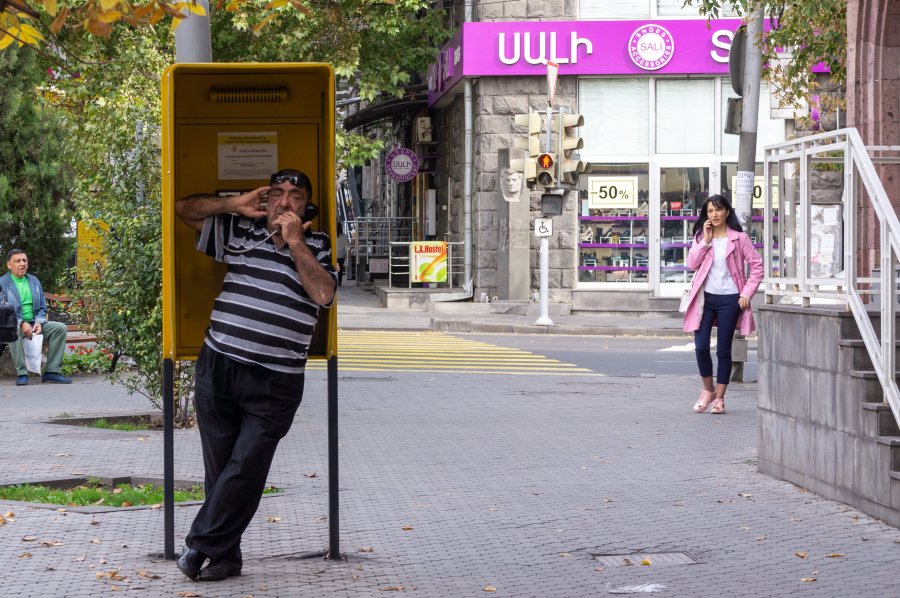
pixel 263 315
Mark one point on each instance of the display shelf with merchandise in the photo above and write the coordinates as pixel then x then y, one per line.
pixel 613 247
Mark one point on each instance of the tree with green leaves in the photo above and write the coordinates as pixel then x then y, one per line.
pixel 376 48
pixel 34 180
pixel 814 31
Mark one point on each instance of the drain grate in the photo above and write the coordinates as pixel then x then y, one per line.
pixel 655 558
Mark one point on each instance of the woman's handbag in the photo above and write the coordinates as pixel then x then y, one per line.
pixel 686 300
pixel 9 323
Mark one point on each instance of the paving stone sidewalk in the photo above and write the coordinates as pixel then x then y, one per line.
pixel 456 485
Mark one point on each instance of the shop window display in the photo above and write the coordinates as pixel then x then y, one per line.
pixel 614 224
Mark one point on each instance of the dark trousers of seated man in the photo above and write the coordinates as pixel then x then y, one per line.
pixel 242 411
pixel 55 337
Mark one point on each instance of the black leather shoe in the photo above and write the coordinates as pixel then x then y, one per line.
pixel 190 562
pixel 219 570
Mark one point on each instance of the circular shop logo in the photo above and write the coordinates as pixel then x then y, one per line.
pixel 402 164
pixel 651 47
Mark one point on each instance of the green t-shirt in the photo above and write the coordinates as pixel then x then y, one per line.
pixel 25 294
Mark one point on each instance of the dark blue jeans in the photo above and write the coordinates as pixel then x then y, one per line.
pixel 722 311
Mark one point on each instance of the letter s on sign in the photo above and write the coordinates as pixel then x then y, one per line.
pixel 721 39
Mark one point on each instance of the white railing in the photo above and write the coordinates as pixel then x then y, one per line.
pixel 843 252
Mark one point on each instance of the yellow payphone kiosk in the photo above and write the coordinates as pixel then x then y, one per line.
pixel 225 129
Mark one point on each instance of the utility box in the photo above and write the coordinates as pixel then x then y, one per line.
pixel 225 129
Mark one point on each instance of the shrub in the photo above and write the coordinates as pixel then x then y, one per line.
pixel 86 360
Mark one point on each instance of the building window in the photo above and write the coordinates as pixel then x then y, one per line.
pixel 685 116
pixel 613 232
pixel 616 116
pixel 613 9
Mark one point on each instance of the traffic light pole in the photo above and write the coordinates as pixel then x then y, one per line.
pixel 544 318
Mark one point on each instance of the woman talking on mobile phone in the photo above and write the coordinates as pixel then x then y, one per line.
pixel 720 294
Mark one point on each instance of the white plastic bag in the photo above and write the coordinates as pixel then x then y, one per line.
pixel 33 347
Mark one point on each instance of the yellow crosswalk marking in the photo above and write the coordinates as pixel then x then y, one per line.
pixel 404 351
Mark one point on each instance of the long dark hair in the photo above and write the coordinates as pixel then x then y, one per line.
pixel 731 221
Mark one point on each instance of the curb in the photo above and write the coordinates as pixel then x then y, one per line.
pixel 468 326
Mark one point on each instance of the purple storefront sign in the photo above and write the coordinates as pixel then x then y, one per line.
pixel 666 47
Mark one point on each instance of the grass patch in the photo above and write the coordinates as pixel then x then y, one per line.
pixel 103 424
pixel 93 493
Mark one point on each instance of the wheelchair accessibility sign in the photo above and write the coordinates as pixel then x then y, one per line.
pixel 543 227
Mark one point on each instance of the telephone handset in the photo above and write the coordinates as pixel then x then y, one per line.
pixel 310 212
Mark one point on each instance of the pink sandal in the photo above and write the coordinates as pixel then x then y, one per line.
pixel 703 402
pixel 718 407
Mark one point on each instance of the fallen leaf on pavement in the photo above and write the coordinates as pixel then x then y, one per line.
pixel 311 475
pixel 565 554
pixel 25 555
pixel 95 541
pixel 141 439
pixel 744 529
pixel 646 562
pixel 29 538
pixel 79 559
pixel 94 522
pixel 489 589
pixel 835 555
pixel 808 579
pixel 2 520
pixel 745 494
pixel 112 574
pixel 406 528
pixel 189 594
pixel 724 500
pixel 10 515
pixel 802 555
pixel 63 455
pixel 761 538
pixel 273 519
pixel 366 549
pixel 392 589
pixel 147 575
pixel 49 543
pixel 627 562
pixel 117 589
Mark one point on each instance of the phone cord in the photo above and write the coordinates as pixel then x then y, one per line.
pixel 251 248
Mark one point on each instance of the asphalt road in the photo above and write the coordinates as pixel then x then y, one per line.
pixel 615 356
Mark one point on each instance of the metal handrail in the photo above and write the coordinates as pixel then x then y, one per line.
pixel 857 292
pixel 400 263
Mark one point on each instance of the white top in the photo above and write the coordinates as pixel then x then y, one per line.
pixel 719 281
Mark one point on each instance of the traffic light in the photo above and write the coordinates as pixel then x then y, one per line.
pixel 546 170
pixel 531 143
pixel 570 166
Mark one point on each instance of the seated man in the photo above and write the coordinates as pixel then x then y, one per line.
pixel 24 292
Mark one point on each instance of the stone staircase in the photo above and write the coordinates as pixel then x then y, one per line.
pixel 823 423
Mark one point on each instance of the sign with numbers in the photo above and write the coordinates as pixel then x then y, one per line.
pixel 612 192
pixel 759 191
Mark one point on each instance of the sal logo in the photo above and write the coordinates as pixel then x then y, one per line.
pixel 651 47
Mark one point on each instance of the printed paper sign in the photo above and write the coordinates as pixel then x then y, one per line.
pixel 612 192
pixel 759 191
pixel 428 261
pixel 247 156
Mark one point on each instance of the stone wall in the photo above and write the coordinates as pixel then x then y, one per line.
pixel 816 428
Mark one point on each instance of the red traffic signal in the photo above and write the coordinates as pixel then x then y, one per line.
pixel 545 161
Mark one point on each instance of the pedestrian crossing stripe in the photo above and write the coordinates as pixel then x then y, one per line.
pixel 689 347
pixel 404 351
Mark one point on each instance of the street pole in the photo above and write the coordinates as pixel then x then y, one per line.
pixel 544 318
pixel 192 39
pixel 746 170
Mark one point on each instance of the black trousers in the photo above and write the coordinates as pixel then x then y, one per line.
pixel 242 412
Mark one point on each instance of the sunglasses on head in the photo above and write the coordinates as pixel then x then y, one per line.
pixel 293 179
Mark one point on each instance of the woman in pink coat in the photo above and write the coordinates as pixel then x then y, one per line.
pixel 720 294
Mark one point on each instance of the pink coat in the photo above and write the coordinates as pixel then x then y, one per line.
pixel 739 250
